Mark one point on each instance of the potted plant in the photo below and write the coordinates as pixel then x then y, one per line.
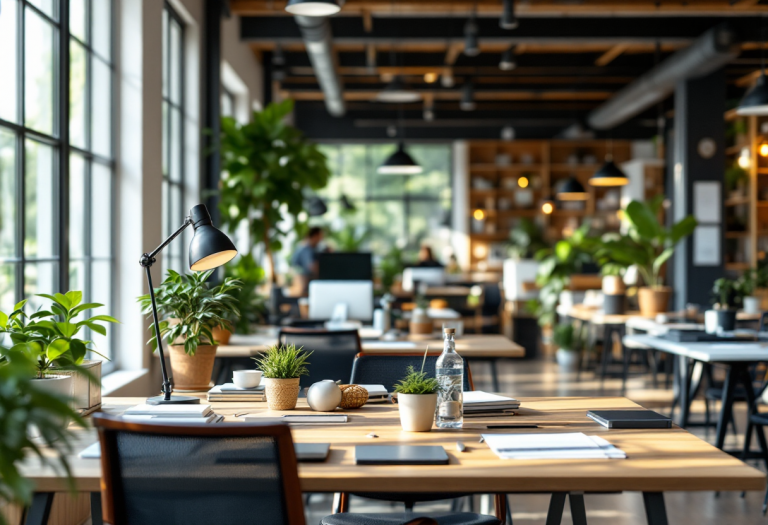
pixel 192 309
pixel 282 367
pixel 420 321
pixel 727 295
pixel 746 286
pixel 736 179
pixel 49 339
pixel 417 399
pixel 648 245
pixel 567 354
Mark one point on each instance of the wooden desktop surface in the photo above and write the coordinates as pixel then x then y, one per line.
pixel 658 460
pixel 471 345
pixel 595 315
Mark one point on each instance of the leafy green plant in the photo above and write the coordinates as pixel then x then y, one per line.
pixel 647 245
pixel 251 303
pixel 48 337
pixel 390 266
pixel 266 166
pixel 22 405
pixel 196 308
pixel 527 239
pixel 283 362
pixel 417 382
pixel 726 293
pixel 733 175
pixel 564 337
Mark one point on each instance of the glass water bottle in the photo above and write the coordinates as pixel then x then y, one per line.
pixel 450 376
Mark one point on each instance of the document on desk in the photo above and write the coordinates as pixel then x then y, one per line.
pixel 574 445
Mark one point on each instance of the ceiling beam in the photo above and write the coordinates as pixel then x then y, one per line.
pixel 370 95
pixel 612 53
pixel 453 52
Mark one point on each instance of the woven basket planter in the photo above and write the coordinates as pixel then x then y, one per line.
pixel 353 396
pixel 282 394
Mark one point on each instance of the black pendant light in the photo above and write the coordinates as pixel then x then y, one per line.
pixel 471 44
pixel 508 62
pixel 468 96
pixel 508 19
pixel 315 206
pixel 571 190
pixel 400 163
pixel 278 64
pixel 755 101
pixel 313 7
pixel 397 93
pixel 609 175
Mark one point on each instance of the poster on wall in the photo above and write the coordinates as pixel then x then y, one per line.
pixel 706 202
pixel 706 246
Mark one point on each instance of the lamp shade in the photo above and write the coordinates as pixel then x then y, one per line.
pixel 571 190
pixel 467 102
pixel 609 175
pixel 508 19
pixel 313 7
pixel 471 44
pixel 755 101
pixel 315 206
pixel 400 163
pixel 507 62
pixel 209 248
pixel 397 93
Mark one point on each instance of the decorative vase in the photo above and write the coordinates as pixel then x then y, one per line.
pixel 568 360
pixel 58 386
pixel 653 300
pixel 221 335
pixel 420 322
pixel 417 411
pixel 192 372
pixel 282 394
pixel 752 305
pixel 324 396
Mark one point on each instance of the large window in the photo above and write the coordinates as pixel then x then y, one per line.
pixel 56 151
pixel 402 210
pixel 173 135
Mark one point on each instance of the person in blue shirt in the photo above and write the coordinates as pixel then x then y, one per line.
pixel 305 257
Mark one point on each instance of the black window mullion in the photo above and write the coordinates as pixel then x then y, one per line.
pixel 21 153
pixel 63 151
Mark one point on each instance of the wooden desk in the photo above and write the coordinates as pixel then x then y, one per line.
pixel 658 460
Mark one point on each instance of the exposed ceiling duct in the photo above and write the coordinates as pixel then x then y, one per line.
pixel 318 40
pixel 709 52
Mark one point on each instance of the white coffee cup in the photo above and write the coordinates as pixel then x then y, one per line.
pixel 246 378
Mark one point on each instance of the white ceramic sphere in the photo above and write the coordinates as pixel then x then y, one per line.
pixel 324 396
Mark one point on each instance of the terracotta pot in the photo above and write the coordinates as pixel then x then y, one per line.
pixel 192 372
pixel 654 301
pixel 421 328
pixel 282 394
pixel 221 336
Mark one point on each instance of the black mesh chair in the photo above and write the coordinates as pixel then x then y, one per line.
pixel 198 475
pixel 389 369
pixel 333 352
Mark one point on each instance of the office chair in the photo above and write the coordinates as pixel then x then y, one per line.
pixel 333 352
pixel 389 369
pixel 757 421
pixel 199 474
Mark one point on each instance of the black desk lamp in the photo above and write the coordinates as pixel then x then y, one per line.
pixel 209 249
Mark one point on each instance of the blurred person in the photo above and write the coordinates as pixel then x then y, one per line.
pixel 305 258
pixel 427 259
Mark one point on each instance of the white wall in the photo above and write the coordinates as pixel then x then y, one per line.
pixel 242 60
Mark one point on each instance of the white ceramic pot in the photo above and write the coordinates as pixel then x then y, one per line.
pixel 751 305
pixel 60 387
pixel 710 321
pixel 417 411
pixel 567 359
pixel 324 396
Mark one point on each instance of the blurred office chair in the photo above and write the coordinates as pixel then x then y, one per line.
pixel 333 352
pixel 389 369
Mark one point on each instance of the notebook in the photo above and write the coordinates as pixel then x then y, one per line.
pixel 572 445
pixel 175 420
pixel 630 419
pixel 400 455
pixel 301 419
pixel 185 411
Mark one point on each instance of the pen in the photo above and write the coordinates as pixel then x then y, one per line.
pixel 490 427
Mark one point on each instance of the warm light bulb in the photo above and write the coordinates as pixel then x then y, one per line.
pixel 430 78
pixel 480 251
pixel 620 214
pixel 479 215
pixel 763 149
pixel 547 208
pixel 744 160
pixel 522 182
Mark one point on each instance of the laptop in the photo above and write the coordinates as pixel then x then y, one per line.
pixel 400 455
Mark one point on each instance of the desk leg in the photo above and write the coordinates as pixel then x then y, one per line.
pixel 578 510
pixel 40 510
pixel 655 510
pixel 494 374
pixel 556 506
pixel 96 514
pixel 734 375
pixel 685 390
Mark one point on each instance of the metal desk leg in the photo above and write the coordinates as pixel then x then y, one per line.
pixel 556 506
pixel 96 514
pixel 494 374
pixel 578 510
pixel 734 374
pixel 685 390
pixel 655 510
pixel 40 510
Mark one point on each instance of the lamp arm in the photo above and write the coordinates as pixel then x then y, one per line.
pixel 169 240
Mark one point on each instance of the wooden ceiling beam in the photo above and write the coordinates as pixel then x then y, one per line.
pixel 610 55
pixel 375 78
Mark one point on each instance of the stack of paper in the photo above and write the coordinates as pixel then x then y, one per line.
pixel 482 404
pixel 230 392
pixel 178 414
pixel 376 393
pixel 575 445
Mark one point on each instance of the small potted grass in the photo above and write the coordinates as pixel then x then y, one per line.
pixel 282 366
pixel 417 399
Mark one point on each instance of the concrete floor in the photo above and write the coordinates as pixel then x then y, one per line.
pixel 543 378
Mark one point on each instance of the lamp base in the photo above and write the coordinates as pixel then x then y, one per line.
pixel 175 400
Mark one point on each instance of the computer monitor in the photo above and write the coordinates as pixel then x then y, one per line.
pixel 428 275
pixel 354 298
pixel 345 266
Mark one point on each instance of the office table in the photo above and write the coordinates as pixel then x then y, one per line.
pixel 658 460
pixel 736 356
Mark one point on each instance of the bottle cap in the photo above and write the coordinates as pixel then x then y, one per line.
pixel 449 330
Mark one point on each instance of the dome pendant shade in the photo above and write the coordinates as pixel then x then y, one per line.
pixel 209 248
pixel 313 7
pixel 400 163
pixel 471 44
pixel 755 101
pixel 507 62
pixel 508 19
pixel 609 175
pixel 572 190
pixel 397 93
pixel 467 102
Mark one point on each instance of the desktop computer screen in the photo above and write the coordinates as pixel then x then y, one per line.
pixel 353 300
pixel 427 275
pixel 345 266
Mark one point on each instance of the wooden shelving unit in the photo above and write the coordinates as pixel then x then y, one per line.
pixel 509 181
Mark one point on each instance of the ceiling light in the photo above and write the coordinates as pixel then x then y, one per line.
pixel 400 163
pixel 313 7
pixel 468 97
pixel 522 182
pixel 471 45
pixel 609 175
pixel 508 62
pixel 763 149
pixel 547 207
pixel 571 190
pixel 508 19
pixel 315 206
pixel 429 110
pixel 744 159
pixel 446 79
pixel 755 102
pixel 430 78
pixel 397 93
pixel 479 215
pixel 507 133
